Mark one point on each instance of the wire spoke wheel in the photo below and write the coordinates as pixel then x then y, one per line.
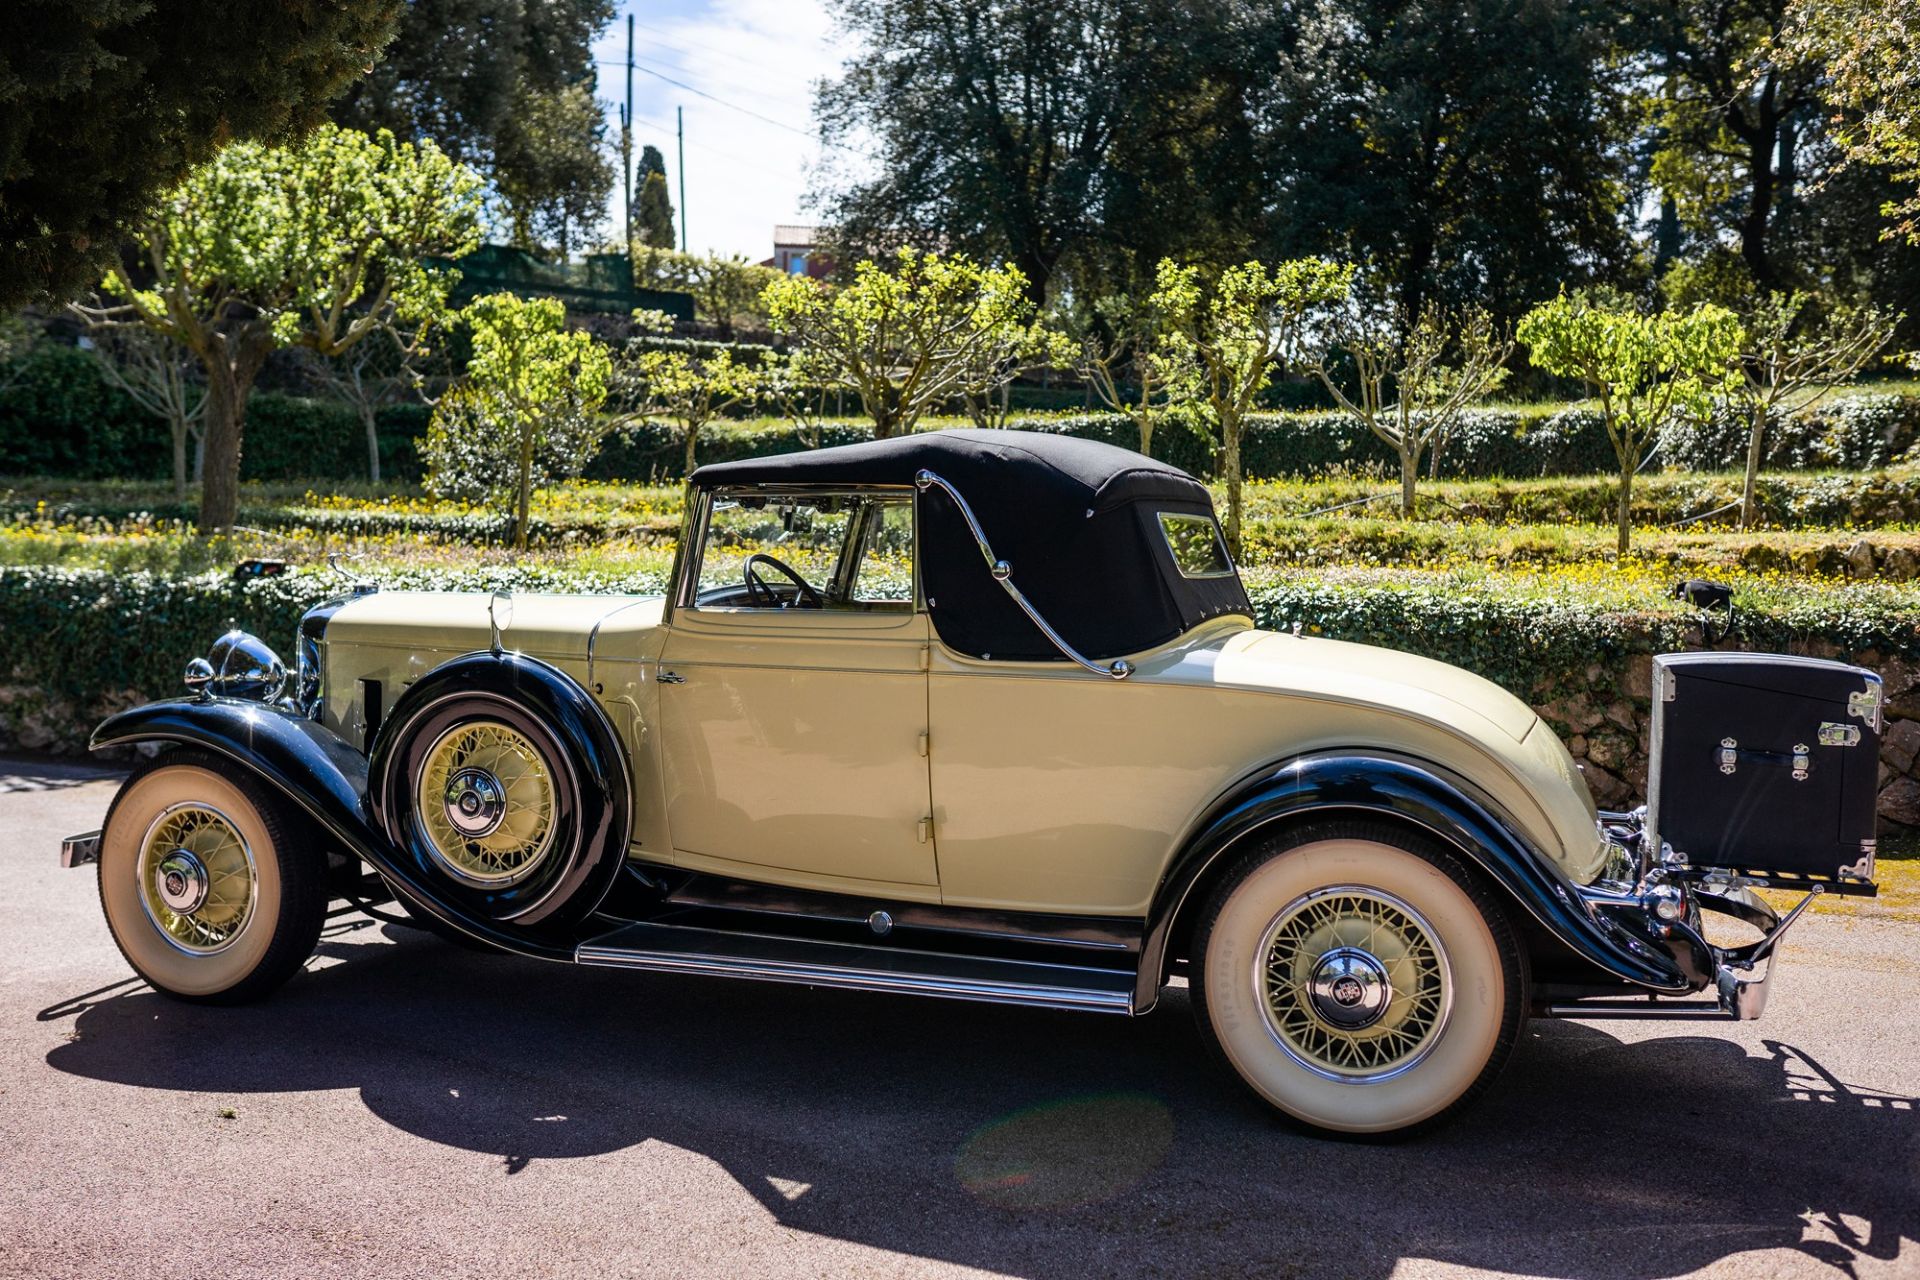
pixel 486 799
pixel 1354 983
pixel 197 878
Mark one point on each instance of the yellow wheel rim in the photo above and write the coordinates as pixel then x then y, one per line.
pixel 197 878
pixel 1355 983
pixel 486 800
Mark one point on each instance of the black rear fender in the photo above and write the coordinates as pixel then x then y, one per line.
pixel 1415 794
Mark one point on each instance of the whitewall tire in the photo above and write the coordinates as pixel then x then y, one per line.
pixel 1358 978
pixel 206 891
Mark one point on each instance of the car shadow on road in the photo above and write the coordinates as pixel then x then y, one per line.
pixel 1033 1143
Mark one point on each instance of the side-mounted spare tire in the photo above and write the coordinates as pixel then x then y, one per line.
pixel 505 792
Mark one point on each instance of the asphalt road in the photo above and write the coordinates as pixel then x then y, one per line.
pixel 407 1107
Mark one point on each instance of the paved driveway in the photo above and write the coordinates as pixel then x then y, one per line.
pixel 411 1108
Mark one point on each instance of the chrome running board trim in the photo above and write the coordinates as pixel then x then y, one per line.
pixel 664 948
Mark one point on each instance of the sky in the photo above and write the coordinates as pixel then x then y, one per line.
pixel 747 154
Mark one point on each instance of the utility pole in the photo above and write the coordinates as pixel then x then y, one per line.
pixel 680 133
pixel 626 149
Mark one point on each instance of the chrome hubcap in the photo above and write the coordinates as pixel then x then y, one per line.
pixel 1350 988
pixel 1354 982
pixel 181 882
pixel 197 878
pixel 476 802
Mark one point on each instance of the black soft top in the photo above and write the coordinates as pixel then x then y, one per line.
pixel 1077 521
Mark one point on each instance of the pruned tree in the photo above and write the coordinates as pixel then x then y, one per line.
pixel 1794 355
pixel 384 369
pixel 160 376
pixel 987 396
pixel 525 414
pixel 1135 355
pixel 1412 380
pixel 316 246
pixel 688 389
pixel 1645 370
pixel 801 392
pixel 909 337
pixel 1246 325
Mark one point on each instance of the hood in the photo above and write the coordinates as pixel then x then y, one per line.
pixel 553 627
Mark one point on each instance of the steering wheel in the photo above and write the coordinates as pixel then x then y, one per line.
pixel 762 596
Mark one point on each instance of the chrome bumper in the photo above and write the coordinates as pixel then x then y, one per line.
pixel 78 851
pixel 1740 973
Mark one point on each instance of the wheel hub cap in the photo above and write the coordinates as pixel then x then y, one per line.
pixel 1350 988
pixel 476 802
pixel 1355 984
pixel 181 882
pixel 197 878
pixel 487 804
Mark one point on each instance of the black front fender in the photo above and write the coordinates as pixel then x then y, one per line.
pixel 1423 795
pixel 314 769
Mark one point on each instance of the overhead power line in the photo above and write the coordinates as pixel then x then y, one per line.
pixel 641 66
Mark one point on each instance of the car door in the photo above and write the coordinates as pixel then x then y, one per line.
pixel 795 720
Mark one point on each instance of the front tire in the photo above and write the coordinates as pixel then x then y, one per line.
pixel 207 892
pixel 1358 978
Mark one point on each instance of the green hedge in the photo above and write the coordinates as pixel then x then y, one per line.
pixel 76 643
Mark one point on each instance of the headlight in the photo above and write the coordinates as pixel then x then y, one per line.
pixel 239 666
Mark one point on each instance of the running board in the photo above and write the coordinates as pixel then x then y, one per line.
pixel 666 948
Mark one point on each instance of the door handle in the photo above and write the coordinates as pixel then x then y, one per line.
pixel 670 677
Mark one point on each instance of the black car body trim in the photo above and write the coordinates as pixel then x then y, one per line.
pixel 316 770
pixel 1401 788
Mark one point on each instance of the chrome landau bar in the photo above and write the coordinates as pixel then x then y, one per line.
pixel 1118 669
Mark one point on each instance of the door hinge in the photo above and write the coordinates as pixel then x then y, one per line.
pixel 924 747
pixel 926 657
pixel 926 829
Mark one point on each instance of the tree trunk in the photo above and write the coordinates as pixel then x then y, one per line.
pixel 1763 140
pixel 693 439
pixel 1230 436
pixel 1409 473
pixel 1756 443
pixel 1625 531
pixel 178 426
pixel 234 364
pixel 1146 413
pixel 367 420
pixel 523 490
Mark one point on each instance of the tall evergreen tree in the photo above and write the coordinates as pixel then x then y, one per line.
pixel 104 105
pixel 653 209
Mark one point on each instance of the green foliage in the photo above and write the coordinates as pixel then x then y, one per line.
pixel 1871 52
pixel 652 207
pixel 1645 370
pixel 106 104
pixel 108 639
pixel 1242 325
pixel 728 291
pixel 689 390
pixel 525 414
pixel 316 246
pixel 503 86
pixel 1040 134
pixel 906 339
pixel 1142 335
pixel 550 166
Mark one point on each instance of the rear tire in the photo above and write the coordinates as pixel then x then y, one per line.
pixel 1358 978
pixel 208 893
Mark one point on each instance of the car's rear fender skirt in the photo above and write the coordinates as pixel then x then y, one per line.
pixel 317 771
pixel 1408 791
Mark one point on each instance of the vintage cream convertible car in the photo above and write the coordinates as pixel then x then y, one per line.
pixel 985 715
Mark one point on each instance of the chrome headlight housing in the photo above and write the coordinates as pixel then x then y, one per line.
pixel 239 666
